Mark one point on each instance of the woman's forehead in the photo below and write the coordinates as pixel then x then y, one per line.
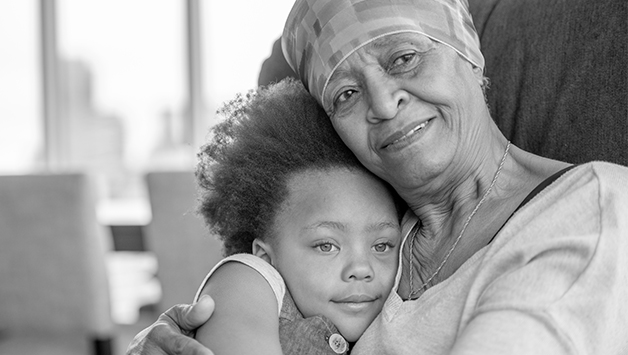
pixel 395 39
pixel 379 50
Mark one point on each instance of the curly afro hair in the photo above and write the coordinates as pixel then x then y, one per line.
pixel 268 135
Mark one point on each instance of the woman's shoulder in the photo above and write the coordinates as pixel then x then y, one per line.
pixel 576 209
pixel 551 253
pixel 578 212
pixel 606 173
pixel 586 183
pixel 598 185
pixel 604 168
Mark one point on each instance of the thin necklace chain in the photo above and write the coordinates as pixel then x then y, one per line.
pixel 464 227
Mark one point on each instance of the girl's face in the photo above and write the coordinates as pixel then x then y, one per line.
pixel 336 245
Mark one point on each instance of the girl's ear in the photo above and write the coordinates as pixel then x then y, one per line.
pixel 263 250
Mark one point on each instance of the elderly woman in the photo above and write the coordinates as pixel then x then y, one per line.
pixel 504 251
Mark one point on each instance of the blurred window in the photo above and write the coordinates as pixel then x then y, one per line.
pixel 119 88
pixel 21 131
pixel 121 78
pixel 236 38
pixel 122 89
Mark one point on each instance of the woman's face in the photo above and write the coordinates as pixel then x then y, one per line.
pixel 407 106
pixel 336 245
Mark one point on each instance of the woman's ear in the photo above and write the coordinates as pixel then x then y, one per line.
pixel 263 250
pixel 479 74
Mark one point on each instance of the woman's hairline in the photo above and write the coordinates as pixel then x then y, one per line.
pixel 333 70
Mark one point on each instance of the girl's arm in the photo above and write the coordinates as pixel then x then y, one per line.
pixel 245 319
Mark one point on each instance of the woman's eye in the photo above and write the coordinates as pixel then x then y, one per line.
pixel 402 60
pixel 344 96
pixel 343 102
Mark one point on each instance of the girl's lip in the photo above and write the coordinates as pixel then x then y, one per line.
pixel 355 307
pixel 358 298
pixel 404 134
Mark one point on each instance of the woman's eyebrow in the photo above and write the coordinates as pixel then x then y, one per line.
pixel 392 39
pixel 409 37
pixel 341 73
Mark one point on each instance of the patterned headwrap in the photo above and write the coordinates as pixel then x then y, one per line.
pixel 320 34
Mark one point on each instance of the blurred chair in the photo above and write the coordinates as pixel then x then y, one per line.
pixel 54 291
pixel 184 248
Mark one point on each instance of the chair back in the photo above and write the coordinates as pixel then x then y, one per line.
pixel 53 278
pixel 184 249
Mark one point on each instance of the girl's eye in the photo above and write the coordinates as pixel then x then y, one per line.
pixel 326 247
pixel 382 247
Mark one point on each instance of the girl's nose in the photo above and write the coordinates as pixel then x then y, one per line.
pixel 358 268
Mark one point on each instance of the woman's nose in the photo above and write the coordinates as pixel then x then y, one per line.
pixel 385 97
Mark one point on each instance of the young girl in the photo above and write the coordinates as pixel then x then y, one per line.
pixel 313 237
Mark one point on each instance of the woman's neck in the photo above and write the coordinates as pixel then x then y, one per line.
pixel 444 215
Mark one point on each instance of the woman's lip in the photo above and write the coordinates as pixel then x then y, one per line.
pixel 405 134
